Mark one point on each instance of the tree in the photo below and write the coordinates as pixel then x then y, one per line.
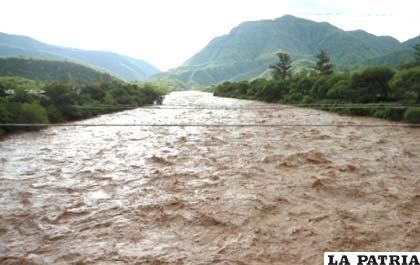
pixel 272 91
pixel 281 70
pixel 417 54
pixel 323 63
pixel 32 113
pixel 4 113
pixel 371 85
pixel 64 98
pixel 412 115
pixel 3 89
pixel 406 85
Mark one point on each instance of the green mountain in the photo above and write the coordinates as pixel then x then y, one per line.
pixel 52 71
pixel 248 50
pixel 393 59
pixel 121 66
pixel 397 58
pixel 411 42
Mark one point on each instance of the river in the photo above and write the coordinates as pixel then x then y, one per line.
pixel 209 195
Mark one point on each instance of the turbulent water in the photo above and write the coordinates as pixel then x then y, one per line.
pixel 209 195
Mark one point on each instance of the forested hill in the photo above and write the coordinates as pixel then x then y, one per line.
pixel 249 48
pixel 400 57
pixel 411 42
pixel 52 71
pixel 122 66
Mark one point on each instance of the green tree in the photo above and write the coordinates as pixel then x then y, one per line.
pixel 64 98
pixel 281 70
pixel 96 92
pixel 302 82
pixel 412 115
pixel 372 85
pixel 4 113
pixel 417 54
pixel 341 90
pixel 3 89
pixel 22 96
pixel 33 113
pixel 108 99
pixel 272 91
pixel 406 85
pixel 323 63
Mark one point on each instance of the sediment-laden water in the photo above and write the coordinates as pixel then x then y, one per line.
pixel 209 195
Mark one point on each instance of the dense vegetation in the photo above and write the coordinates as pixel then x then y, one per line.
pixel 52 71
pixel 379 85
pixel 121 66
pixel 245 52
pixel 30 102
pixel 172 84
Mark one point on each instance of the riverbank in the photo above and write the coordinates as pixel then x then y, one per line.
pixel 404 113
pixel 378 92
pixel 30 102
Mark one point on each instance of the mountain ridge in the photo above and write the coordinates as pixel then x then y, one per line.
pixel 53 71
pixel 118 65
pixel 248 49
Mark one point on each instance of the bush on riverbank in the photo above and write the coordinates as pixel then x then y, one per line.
pixel 412 115
pixel 28 102
pixel 406 85
pixel 378 85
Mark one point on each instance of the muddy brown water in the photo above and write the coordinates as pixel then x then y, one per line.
pixel 194 195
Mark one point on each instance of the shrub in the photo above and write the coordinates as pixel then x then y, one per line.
pixel 371 85
pixel 4 113
pixel 255 86
pixel 54 114
pixel 302 83
pixel 412 115
pixel 308 100
pixel 294 98
pixel 341 90
pixel 406 85
pixel 32 113
pixel 320 88
pixel 358 111
pixel 272 91
pixel 388 113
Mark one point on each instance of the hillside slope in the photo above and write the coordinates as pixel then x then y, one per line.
pixel 52 71
pixel 249 49
pixel 411 42
pixel 115 64
pixel 393 59
pixel 397 58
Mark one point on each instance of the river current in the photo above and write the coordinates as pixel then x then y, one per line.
pixel 209 195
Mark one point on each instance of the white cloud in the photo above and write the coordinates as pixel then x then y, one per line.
pixel 168 32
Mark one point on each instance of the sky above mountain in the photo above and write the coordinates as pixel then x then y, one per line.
pixel 168 32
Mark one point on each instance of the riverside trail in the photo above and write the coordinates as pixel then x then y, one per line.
pixel 209 195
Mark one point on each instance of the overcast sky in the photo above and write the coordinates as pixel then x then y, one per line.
pixel 168 32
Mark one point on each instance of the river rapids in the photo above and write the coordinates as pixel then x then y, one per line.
pixel 209 195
